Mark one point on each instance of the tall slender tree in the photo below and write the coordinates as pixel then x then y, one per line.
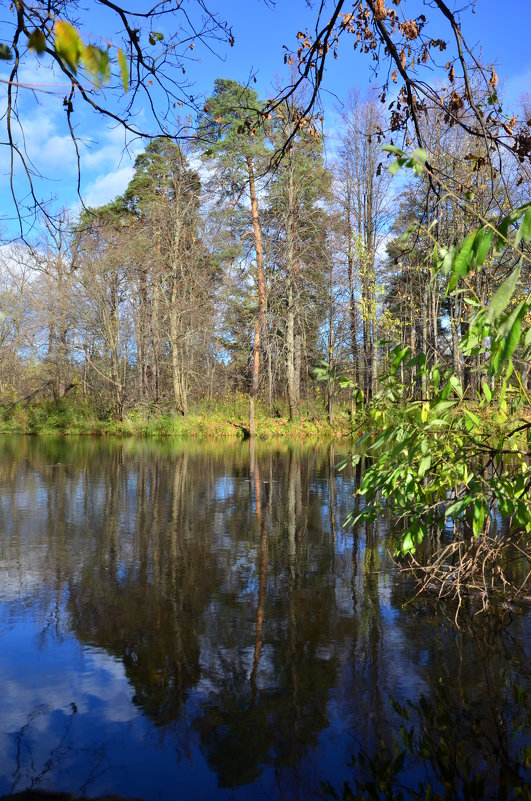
pixel 231 129
pixel 297 194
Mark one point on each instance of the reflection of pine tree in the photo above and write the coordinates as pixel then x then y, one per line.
pixel 146 609
pixel 273 715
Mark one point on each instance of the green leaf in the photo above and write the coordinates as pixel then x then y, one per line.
pixel 413 537
pixel 456 384
pixel 407 233
pixel 501 239
pixel 503 228
pixel 502 296
pixel 487 392
pixel 495 358
pixel 463 256
pixel 37 41
pixel 461 261
pixel 399 355
pixel 124 70
pixel 407 545
pixel 155 37
pixel 68 44
pixel 447 260
pixel 420 155
pixel 393 149
pixel 5 53
pixel 473 417
pixel 524 232
pixel 443 406
pixel 96 61
pixel 512 340
pixel 479 516
pixel 457 507
pixel 482 244
pixel 420 360
pixel 506 323
pixel 424 466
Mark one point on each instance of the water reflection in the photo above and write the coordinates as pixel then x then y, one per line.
pixel 197 616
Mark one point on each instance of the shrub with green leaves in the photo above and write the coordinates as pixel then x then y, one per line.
pixel 455 465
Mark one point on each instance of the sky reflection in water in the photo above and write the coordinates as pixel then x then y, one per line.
pixel 173 622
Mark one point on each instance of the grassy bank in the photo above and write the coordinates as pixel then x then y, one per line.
pixel 221 420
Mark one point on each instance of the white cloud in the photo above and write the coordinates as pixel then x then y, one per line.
pixel 108 186
pixel 42 134
pixel 112 149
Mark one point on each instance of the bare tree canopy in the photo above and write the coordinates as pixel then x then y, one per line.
pixel 136 68
pixel 421 60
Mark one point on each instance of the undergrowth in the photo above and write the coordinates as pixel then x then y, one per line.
pixel 215 420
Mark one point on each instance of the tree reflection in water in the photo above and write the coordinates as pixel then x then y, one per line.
pixel 257 634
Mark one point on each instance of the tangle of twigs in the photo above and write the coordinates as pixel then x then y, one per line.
pixel 476 574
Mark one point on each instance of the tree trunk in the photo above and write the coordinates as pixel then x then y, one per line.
pixel 256 379
pixel 180 393
pixel 290 357
pixel 331 355
pixel 260 329
pixel 292 270
pixel 424 322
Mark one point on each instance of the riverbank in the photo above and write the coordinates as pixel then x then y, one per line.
pixel 214 421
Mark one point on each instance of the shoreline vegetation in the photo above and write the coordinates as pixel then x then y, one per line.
pixel 222 420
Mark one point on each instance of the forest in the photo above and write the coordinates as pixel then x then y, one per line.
pixel 266 275
pixel 219 275
pixel 265 483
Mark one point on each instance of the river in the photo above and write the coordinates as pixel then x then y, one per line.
pixel 178 622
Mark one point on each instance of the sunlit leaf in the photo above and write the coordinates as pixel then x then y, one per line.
pixel 512 339
pixel 68 44
pixel 487 392
pixel 124 70
pixel 524 232
pixel 96 61
pixel 473 417
pixel 482 244
pixel 463 255
pixel 393 149
pixel 461 261
pixel 420 155
pixel 424 465
pixel 154 37
pixel 502 296
pixel 479 515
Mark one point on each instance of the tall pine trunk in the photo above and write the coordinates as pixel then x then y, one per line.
pixel 260 328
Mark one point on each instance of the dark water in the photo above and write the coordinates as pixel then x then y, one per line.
pixel 176 625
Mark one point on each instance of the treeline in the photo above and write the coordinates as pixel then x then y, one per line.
pixel 242 261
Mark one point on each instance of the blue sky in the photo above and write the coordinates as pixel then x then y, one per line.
pixel 260 29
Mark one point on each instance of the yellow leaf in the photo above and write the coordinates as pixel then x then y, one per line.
pixel 68 44
pixel 124 71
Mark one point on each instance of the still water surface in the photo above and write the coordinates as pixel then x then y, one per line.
pixel 178 623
